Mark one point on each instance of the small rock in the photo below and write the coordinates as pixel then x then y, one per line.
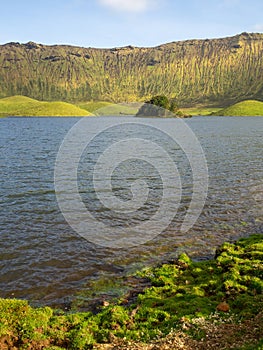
pixel 185 327
pixel 105 303
pixel 134 311
pixel 224 307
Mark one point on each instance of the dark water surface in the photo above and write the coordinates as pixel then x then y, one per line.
pixel 43 260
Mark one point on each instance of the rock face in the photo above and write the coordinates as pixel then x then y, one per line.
pixel 216 71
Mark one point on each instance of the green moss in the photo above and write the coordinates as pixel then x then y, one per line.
pixel 183 290
pixel 184 260
pixel 20 321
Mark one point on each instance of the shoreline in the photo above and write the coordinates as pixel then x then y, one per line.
pixel 225 290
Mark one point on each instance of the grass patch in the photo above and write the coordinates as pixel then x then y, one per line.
pixel 201 111
pixel 184 296
pixel 245 108
pixel 93 106
pixel 25 106
pixel 101 108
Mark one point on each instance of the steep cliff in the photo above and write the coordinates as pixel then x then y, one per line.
pixel 215 71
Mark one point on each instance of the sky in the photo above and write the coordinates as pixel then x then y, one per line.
pixel 115 23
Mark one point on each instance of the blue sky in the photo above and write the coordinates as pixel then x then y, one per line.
pixel 111 23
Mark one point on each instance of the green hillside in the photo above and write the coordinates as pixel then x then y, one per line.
pixel 244 108
pixel 25 106
pixel 211 72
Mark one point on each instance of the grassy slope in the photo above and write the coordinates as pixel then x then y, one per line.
pixel 25 106
pixel 185 296
pixel 107 108
pixel 200 110
pixel 93 106
pixel 244 108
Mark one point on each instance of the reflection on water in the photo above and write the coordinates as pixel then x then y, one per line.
pixel 44 260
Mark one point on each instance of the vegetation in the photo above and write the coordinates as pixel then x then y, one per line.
pixel 160 106
pixel 201 110
pixel 92 106
pixel 244 108
pixel 107 108
pixel 25 106
pixel 163 102
pixel 212 72
pixel 185 296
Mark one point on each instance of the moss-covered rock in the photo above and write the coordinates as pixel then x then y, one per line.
pixel 181 293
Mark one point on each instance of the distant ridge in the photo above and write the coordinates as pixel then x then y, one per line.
pixel 215 72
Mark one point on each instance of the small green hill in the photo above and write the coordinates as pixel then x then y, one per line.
pixel 25 106
pixel 244 108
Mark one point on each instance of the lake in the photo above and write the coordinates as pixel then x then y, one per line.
pixel 45 261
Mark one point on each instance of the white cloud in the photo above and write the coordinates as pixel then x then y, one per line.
pixel 128 5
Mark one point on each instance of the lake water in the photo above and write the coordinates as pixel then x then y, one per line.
pixel 45 261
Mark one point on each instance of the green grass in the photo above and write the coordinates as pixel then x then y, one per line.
pixel 183 290
pixel 117 109
pixel 108 108
pixel 244 108
pixel 25 106
pixel 200 110
pixel 93 106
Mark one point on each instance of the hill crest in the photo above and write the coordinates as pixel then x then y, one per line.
pixel 25 106
pixel 243 109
